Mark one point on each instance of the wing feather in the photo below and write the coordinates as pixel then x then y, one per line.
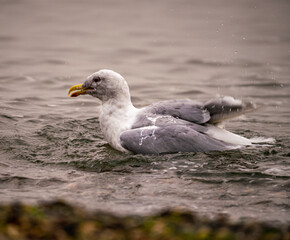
pixel 225 108
pixel 169 139
pixel 186 109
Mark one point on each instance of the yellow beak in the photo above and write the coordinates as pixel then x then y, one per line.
pixel 76 90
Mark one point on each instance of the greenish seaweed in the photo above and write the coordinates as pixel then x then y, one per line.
pixel 59 220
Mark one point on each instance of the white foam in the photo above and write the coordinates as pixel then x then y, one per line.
pixel 232 101
pixel 262 140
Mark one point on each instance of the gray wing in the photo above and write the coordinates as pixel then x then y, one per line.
pixel 185 109
pixel 225 108
pixel 169 139
pixel 214 111
pixel 178 126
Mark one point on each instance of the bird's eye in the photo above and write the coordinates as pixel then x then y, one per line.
pixel 97 79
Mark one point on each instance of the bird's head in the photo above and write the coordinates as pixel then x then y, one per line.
pixel 104 84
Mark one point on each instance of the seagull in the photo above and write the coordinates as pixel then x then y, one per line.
pixel 164 127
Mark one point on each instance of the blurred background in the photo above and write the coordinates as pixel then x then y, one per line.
pixel 51 146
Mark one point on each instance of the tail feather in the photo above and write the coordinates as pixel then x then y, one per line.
pixel 229 137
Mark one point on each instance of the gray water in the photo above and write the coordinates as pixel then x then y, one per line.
pixel 51 145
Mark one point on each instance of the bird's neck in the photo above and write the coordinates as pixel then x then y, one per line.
pixel 122 103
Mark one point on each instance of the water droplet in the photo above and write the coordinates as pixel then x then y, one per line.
pixel 244 38
pixel 236 52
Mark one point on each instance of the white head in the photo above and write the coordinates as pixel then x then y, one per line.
pixel 105 85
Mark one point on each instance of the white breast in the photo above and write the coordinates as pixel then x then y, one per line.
pixel 115 119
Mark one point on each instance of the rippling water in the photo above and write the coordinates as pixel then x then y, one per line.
pixel 51 146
